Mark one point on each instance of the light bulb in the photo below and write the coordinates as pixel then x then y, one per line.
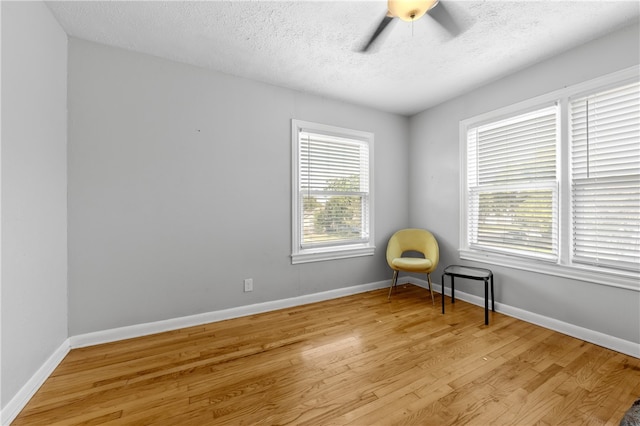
pixel 410 10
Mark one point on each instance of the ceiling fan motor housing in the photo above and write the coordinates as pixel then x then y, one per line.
pixel 410 10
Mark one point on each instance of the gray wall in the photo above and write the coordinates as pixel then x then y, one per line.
pixel 180 187
pixel 34 191
pixel 435 187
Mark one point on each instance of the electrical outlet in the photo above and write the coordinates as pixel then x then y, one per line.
pixel 248 284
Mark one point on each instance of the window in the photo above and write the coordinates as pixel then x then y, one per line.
pixel 512 186
pixel 605 178
pixel 332 196
pixel 553 184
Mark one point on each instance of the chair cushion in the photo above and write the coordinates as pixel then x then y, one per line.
pixel 411 264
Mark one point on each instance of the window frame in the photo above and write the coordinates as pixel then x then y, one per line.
pixel 341 250
pixel 564 266
pixel 602 176
pixel 550 110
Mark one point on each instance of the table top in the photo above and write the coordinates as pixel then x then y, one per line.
pixel 468 271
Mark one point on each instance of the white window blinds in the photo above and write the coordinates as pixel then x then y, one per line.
pixel 512 187
pixel 334 190
pixel 605 178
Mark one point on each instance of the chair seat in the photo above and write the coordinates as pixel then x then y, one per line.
pixel 411 264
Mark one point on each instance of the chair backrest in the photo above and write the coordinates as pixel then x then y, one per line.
pixel 413 239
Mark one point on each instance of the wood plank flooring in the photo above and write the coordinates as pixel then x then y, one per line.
pixel 357 360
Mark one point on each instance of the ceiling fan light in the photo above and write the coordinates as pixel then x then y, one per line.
pixel 410 10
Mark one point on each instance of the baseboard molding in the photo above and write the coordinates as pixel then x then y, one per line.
pixel 18 402
pixel 610 342
pixel 139 330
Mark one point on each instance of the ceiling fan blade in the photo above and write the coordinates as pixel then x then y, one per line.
pixel 443 17
pixel 383 24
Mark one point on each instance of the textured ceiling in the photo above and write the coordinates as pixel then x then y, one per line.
pixel 313 45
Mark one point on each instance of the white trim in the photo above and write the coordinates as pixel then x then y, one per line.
pixel 18 402
pixel 298 254
pixel 1 274
pixel 564 266
pixel 145 329
pixel 332 254
pixel 610 342
pixel 621 279
pixel 575 90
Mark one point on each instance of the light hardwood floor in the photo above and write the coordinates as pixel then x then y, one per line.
pixel 358 360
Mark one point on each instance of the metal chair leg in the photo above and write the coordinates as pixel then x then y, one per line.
pixel 431 289
pixel 394 282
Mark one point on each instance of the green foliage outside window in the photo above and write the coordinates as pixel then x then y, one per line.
pixel 336 216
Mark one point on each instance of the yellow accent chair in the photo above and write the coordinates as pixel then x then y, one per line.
pixel 413 240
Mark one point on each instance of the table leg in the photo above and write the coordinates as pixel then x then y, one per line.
pixel 453 290
pixel 493 302
pixel 486 302
pixel 442 281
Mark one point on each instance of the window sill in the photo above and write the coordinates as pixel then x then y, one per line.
pixel 621 279
pixel 331 253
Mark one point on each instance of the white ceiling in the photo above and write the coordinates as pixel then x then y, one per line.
pixel 313 45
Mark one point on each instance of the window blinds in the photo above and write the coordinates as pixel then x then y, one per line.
pixel 512 187
pixel 605 160
pixel 334 188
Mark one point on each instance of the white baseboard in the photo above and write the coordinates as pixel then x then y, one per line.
pixel 610 342
pixel 18 402
pixel 139 330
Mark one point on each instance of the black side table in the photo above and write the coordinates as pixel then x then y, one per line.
pixel 472 274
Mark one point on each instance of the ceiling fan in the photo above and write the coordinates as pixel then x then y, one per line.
pixel 412 10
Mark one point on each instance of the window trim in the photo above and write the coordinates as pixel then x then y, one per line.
pixel 582 182
pixel 564 267
pixel 338 251
pixel 551 109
